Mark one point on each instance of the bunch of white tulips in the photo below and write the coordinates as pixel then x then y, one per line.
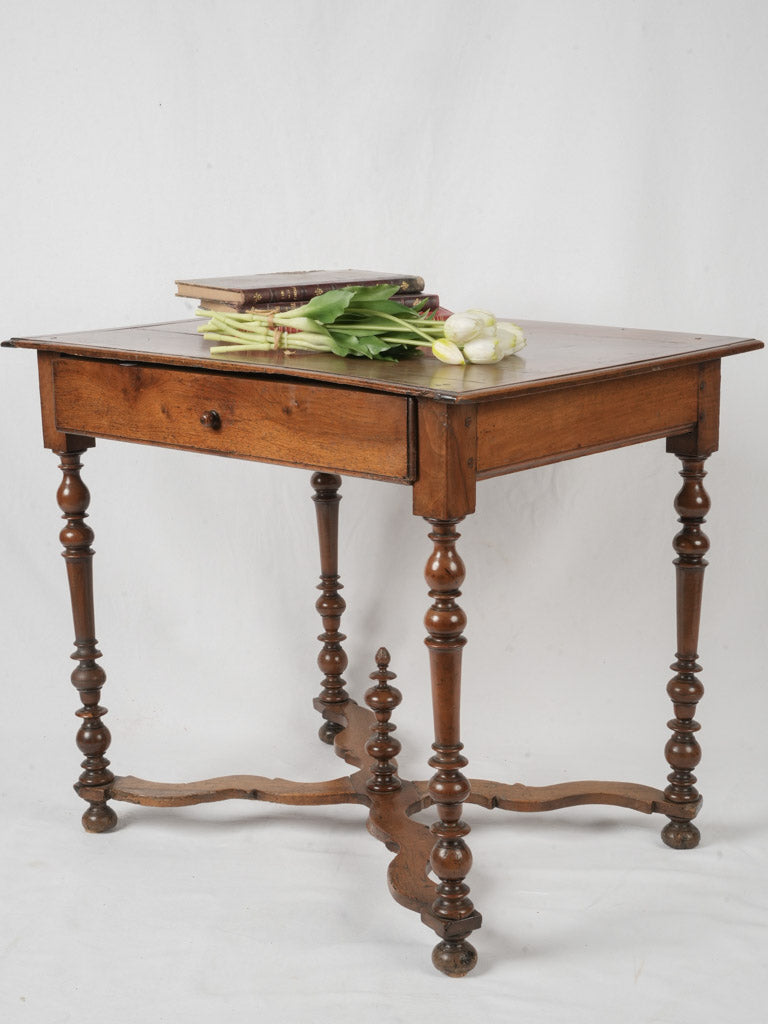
pixel 364 321
pixel 476 336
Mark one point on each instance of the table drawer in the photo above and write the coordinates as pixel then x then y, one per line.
pixel 270 420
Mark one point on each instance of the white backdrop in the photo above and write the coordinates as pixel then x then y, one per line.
pixel 595 161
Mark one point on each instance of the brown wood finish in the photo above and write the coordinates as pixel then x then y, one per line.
pixel 52 437
pixel 685 689
pixel 691 544
pixel 390 814
pixel 447 446
pixel 332 660
pixel 557 355
pixel 527 799
pixel 235 787
pixel 382 748
pixel 280 421
pixel 540 427
pixel 93 736
pixel 574 390
pixel 703 437
pixel 448 787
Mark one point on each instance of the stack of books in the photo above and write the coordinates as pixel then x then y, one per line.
pixel 295 288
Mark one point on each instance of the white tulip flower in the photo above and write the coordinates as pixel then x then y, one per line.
pixel 510 336
pixel 476 336
pixel 483 350
pixel 447 352
pixel 486 319
pixel 462 327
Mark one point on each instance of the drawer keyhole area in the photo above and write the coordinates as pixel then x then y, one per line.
pixel 211 419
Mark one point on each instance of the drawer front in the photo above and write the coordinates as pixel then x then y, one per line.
pixel 315 426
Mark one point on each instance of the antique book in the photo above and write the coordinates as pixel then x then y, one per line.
pixel 290 286
pixel 424 301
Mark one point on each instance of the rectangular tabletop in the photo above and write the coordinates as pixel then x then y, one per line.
pixel 556 355
pixel 572 391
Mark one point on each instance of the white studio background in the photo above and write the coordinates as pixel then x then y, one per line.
pixel 595 161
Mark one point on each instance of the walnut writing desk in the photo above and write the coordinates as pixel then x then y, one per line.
pixel 438 429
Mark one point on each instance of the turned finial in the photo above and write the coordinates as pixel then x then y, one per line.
pixel 382 747
pixel 383 659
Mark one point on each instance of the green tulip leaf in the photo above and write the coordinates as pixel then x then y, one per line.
pixel 327 307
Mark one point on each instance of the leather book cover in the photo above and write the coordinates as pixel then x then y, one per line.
pixel 291 286
pixel 423 300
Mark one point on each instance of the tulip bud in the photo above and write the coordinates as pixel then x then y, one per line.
pixel 510 336
pixel 447 352
pixel 462 327
pixel 483 350
pixel 486 319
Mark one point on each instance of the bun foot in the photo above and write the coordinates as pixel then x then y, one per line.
pixel 681 835
pixel 328 731
pixel 454 958
pixel 99 818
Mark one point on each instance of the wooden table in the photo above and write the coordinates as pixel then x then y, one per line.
pixel 437 429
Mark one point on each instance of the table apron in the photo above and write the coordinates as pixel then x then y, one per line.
pixel 560 423
pixel 269 420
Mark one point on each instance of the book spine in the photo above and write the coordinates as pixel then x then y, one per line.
pixel 429 302
pixel 304 292
pixel 422 300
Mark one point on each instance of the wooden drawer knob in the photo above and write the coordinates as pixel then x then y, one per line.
pixel 211 419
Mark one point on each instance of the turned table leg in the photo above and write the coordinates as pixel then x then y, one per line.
pixel 93 737
pixel 685 690
pixel 332 660
pixel 448 787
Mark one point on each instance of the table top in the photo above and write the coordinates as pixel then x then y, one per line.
pixel 557 354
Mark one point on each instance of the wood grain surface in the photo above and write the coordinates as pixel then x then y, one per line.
pixel 556 354
pixel 290 422
pixel 546 426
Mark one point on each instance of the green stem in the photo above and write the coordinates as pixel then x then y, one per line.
pixel 302 323
pixel 412 327
pixel 406 341
pixel 298 339
pixel 228 331
pixel 372 328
